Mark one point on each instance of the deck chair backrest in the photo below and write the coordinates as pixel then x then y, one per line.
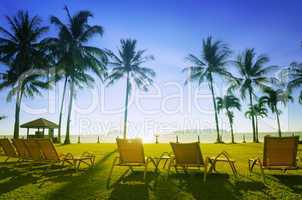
pixel 187 153
pixel 131 150
pixel 48 150
pixel 34 150
pixel 8 148
pixel 21 148
pixel 280 151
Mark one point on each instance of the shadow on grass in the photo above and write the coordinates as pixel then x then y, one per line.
pixel 191 186
pixel 92 184
pixel 6 171
pixel 13 177
pixel 131 187
pixel 89 184
pixel 294 182
pixel 16 179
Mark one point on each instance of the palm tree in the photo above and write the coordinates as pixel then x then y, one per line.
pixel 23 52
pixel 272 97
pixel 296 77
pixel 258 110
pixel 211 62
pixel 228 103
pixel 261 112
pixel 75 58
pixel 127 63
pixel 253 73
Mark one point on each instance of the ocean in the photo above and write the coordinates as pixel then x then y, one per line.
pixel 170 137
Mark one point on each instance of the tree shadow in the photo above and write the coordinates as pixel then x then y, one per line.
pixel 15 175
pixel 191 186
pixel 74 183
pixel 92 184
pixel 294 182
pixel 15 180
pixel 6 172
pixel 131 187
pixel 86 184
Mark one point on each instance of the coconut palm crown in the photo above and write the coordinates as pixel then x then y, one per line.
pixel 295 76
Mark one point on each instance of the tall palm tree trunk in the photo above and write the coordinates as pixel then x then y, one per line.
pixel 67 137
pixel 257 129
pixel 218 140
pixel 232 130
pixel 17 113
pixel 126 107
pixel 255 139
pixel 278 122
pixel 61 110
pixel 232 133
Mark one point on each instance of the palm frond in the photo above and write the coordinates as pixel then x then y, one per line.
pixel 23 51
pixel 252 70
pixel 90 32
pixel 7 33
pixel 128 62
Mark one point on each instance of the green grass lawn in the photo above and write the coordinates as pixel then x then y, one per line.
pixel 21 182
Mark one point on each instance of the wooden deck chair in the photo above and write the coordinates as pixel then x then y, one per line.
pixel 21 149
pixel 51 155
pixel 34 150
pixel 279 153
pixel 8 149
pixel 188 155
pixel 131 154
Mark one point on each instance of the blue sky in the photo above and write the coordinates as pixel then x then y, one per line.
pixel 169 30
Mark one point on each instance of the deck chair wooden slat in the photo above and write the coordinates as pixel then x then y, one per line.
pixel 34 150
pixel 8 149
pixel 131 154
pixel 188 155
pixel 279 153
pixel 131 151
pixel 48 150
pixel 21 149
